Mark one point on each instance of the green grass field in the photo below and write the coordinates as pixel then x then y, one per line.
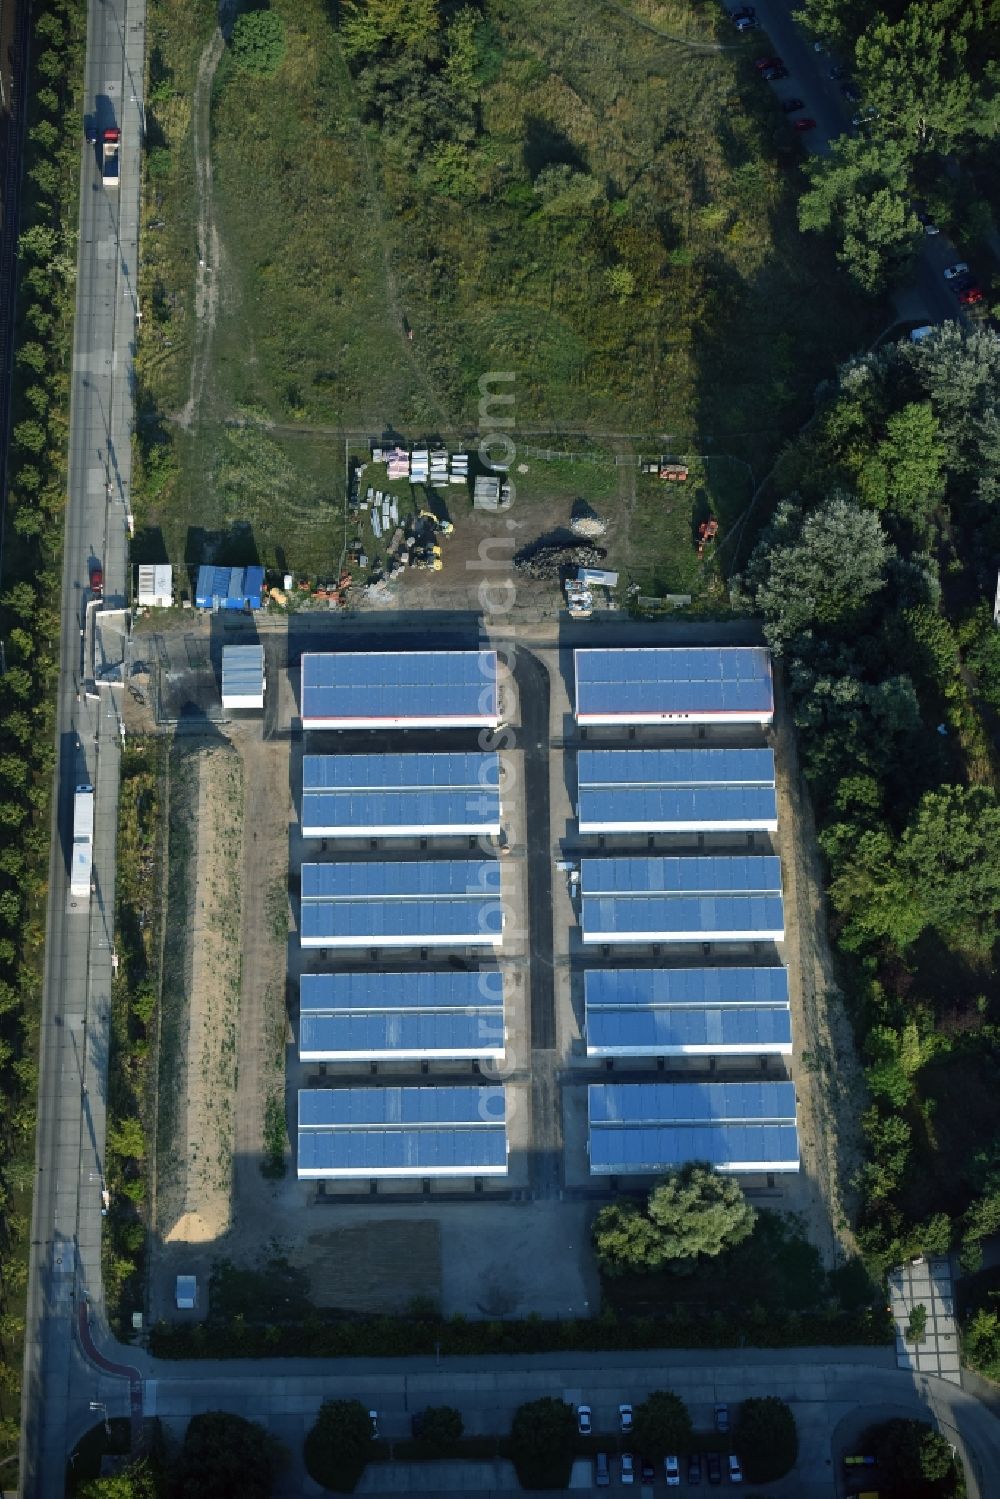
pixel 669 296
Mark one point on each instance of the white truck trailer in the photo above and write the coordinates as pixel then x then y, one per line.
pixel 82 859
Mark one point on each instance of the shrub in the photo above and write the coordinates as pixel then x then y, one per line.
pixel 338 1445
pixel 258 42
pixel 766 1438
pixel 542 1443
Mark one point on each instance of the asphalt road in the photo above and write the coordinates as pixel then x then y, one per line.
pixel 927 298
pixel 66 1214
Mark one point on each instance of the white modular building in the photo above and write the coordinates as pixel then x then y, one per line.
pixel 243 680
pixel 687 1012
pixel 674 684
pixel 400 690
pixel 676 790
pixel 155 585
pixel 370 1017
pixel 346 1133
pixel 681 900
pixel 642 1129
pixel 419 903
pixel 389 796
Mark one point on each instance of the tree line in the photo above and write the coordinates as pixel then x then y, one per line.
pixel 929 82
pixel 875 581
pixel 30 591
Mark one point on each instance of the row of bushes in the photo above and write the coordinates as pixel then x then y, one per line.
pixel 134 1001
pixel 29 627
pixel 388 1337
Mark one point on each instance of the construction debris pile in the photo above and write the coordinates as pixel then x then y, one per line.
pixel 549 563
pixel 586 522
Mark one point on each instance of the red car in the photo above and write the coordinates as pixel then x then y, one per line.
pixel 970 296
pixel 802 125
pixel 96 579
pixel 768 62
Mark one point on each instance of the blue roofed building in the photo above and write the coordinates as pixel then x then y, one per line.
pixel 369 1017
pixel 674 684
pixel 412 903
pixel 676 790
pixel 220 588
pixel 346 1133
pixel 400 690
pixel 687 899
pixel 386 796
pixel 642 1129
pixel 677 1012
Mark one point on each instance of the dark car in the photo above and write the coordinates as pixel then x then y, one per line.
pixel 714 1464
pixel 722 1417
pixel 602 1471
pixel 771 75
pixel 694 1470
pixel 743 13
pixel 791 105
pixel 802 125
pixel 768 62
pixel 648 1471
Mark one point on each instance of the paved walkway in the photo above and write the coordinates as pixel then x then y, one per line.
pixel 926 1283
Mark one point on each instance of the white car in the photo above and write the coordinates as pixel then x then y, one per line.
pixel 960 268
pixel 625 1419
pixel 584 1420
pixel 628 1468
pixel 672 1472
pixel 735 1471
pixel 373 1418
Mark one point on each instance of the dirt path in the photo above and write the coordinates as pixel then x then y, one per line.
pixel 199 1067
pixel 209 275
pixel 828 1079
pixel 262 1027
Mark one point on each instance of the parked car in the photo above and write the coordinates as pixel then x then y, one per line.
pixel 714 1464
pixel 970 296
pixel 772 75
pixel 694 1470
pixel 602 1471
pixel 722 1418
pixel 584 1420
pixel 628 1468
pixel 924 331
pixel 745 24
pixel 625 1419
pixel 373 1418
pixel 648 1471
pixel 735 1471
pixel 925 219
pixel 791 105
pixel 768 62
pixel 96 579
pixel 803 125
pixel 952 272
pixel 672 1472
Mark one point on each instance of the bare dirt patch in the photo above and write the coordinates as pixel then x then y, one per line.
pixel 197 1063
pixel 380 1266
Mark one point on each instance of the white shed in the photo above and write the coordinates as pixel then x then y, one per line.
pixel 156 586
pixel 243 680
